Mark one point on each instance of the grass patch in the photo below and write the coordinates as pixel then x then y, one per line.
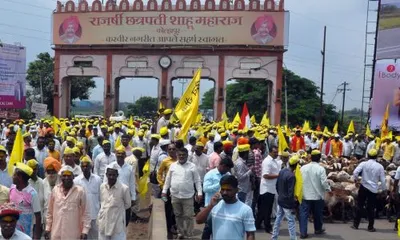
pixel 389 23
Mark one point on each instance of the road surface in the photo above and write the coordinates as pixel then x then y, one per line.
pixel 334 231
pixel 389 44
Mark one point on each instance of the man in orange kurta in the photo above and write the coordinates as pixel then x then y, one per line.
pixel 298 142
pixel 68 213
pixel 336 146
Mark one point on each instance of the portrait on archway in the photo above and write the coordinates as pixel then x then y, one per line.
pixel 70 30
pixel 263 30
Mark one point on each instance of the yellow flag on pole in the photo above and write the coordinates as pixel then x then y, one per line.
pixel 385 122
pixel 56 123
pixel 264 120
pixel 130 123
pixel 253 119
pixel 237 119
pixel 188 106
pixel 368 130
pixel 326 130
pixel 282 144
pixel 161 106
pixel 335 128
pixel 117 142
pixel 17 152
pixel 351 127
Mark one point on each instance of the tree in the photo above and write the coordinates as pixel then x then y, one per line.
pixel 42 70
pixel 303 100
pixel 144 106
pixel 207 101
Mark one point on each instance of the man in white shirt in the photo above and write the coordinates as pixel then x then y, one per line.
pixel 91 183
pixel 103 159
pixel 181 179
pixel 201 161
pixel 348 147
pixel 126 175
pixel 370 145
pixel 270 172
pixel 315 186
pixel 371 172
pixel 41 154
pixel 164 120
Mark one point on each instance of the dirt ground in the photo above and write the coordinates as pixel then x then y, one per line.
pixel 138 230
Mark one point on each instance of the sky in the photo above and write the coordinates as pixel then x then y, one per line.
pixel 29 23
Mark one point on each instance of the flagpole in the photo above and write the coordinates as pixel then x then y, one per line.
pixel 286 106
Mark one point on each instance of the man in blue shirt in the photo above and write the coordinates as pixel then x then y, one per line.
pixel 230 218
pixel 211 186
pixel 211 179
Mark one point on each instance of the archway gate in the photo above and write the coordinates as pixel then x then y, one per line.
pixel 229 41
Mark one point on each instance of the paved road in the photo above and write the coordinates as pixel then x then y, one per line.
pixel 389 44
pixel 334 231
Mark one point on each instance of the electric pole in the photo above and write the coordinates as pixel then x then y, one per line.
pixel 343 90
pixel 321 110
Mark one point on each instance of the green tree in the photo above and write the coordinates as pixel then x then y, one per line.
pixel 207 101
pixel 42 70
pixel 303 100
pixel 144 106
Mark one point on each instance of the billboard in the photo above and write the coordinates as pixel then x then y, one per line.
pixel 386 91
pixel 12 76
pixel 388 42
pixel 171 28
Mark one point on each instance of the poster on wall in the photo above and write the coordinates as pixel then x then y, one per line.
pixel 386 91
pixel 388 41
pixel 12 76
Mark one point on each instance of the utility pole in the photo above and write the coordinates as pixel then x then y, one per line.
pixel 321 110
pixel 344 89
pixel 286 106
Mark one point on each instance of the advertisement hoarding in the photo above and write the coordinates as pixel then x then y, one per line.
pixel 386 91
pixel 12 76
pixel 171 28
pixel 388 41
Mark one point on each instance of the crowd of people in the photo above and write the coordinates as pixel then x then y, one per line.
pixel 79 178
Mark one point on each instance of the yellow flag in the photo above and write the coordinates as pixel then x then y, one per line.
pixel 298 187
pixel 56 123
pixel 117 142
pixel 282 144
pixel 335 128
pixel 130 123
pixel 253 119
pixel 188 106
pixel 199 117
pixel 390 135
pixel 351 127
pixel 237 119
pixel 17 152
pixel 368 130
pixel 161 106
pixel 143 181
pixel 306 126
pixel 224 116
pixel 385 122
pixel 264 120
pixel 326 130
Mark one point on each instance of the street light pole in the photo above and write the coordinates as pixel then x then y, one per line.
pixel 41 88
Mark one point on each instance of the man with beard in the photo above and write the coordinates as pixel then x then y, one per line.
pixel 51 168
pixel 103 159
pixel 51 150
pixel 229 218
pixel 9 215
pixel 68 216
pixel 91 183
pixel 26 198
pixel 181 179
pixel 115 202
